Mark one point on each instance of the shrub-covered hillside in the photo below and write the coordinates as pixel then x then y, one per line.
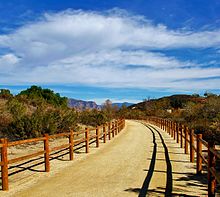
pixel 36 111
pixel 200 113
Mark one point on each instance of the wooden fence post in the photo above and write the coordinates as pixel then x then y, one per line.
pixel 113 129
pixel 46 153
pixel 171 135
pixel 97 136
pixel 168 127
pixel 71 136
pixel 192 151
pixel 199 152
pixel 211 165
pixel 181 135
pixel 87 139
pixel 177 130
pixel 171 128
pixel 104 133
pixel 165 125
pixel 174 131
pixel 186 140
pixel 4 167
pixel 109 130
pixel 116 127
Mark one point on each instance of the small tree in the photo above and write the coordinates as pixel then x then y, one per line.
pixel 5 94
pixel 109 110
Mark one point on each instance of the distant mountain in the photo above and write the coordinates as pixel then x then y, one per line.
pixel 82 105
pixel 119 105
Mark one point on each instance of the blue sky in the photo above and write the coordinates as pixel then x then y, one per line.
pixel 121 50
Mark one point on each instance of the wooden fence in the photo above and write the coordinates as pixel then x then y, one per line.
pixel 193 144
pixel 99 133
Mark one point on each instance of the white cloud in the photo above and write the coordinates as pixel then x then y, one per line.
pixel 104 49
pixel 77 30
pixel 8 62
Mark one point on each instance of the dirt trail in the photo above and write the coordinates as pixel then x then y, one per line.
pixel 140 161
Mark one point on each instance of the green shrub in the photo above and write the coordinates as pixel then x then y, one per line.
pixel 38 95
pixel 16 108
pixel 93 117
pixel 42 121
pixel 5 94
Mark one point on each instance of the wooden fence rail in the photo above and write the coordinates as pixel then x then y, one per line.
pixel 186 137
pixel 90 134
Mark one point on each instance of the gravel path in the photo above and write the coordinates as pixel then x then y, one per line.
pixel 140 161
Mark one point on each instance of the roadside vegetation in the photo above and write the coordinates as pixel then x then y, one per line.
pixel 201 113
pixel 36 111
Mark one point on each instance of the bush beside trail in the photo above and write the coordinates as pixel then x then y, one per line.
pixel 37 111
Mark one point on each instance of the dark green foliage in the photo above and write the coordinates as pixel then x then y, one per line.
pixel 39 95
pixel 123 112
pixel 93 117
pixel 204 117
pixel 5 94
pixel 35 111
pixel 127 113
pixel 16 108
pixel 50 121
pixel 176 103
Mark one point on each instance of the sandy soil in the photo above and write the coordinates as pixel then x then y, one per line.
pixel 140 161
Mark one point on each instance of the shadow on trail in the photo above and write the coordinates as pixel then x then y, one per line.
pixel 144 189
pixel 169 183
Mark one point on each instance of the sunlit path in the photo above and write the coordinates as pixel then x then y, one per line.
pixel 142 160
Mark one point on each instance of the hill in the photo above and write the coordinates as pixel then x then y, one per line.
pixel 200 113
pixel 177 101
